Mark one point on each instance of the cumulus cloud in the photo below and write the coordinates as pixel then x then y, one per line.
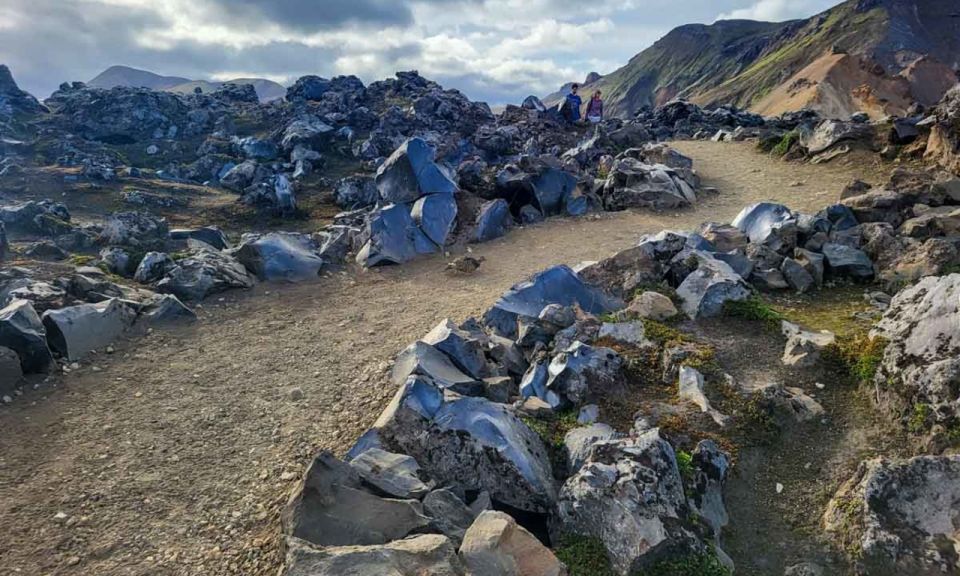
pixel 494 50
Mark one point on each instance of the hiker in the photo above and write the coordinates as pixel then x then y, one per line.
pixel 595 108
pixel 570 111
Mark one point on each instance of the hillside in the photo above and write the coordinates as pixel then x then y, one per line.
pixel 114 76
pixel 872 55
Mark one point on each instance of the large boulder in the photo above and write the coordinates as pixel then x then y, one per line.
pixel 410 172
pixel 899 517
pixel 135 229
pixel 845 261
pixel 22 331
pixel 772 225
pixel 436 215
pixel 493 220
pixel 467 443
pixel 464 348
pixel 10 370
pixel 203 273
pixel 153 267
pixel 356 192
pixel 706 290
pixel 582 373
pixel 629 494
pixel 209 235
pixel 633 184
pixel 280 256
pixel 417 556
pixel 75 331
pixel 394 238
pixel 921 363
pixel 423 359
pixel 829 133
pixel 495 545
pixel 331 508
pixel 395 475
pixel 557 285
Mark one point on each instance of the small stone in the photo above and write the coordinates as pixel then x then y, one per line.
pixel 60 516
pixel 296 394
pixel 73 561
pixel 7 399
pixel 779 488
pixel 588 414
pixel 287 476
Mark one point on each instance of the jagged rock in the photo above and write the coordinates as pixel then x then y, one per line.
pixel 533 103
pixel 582 372
pixel 772 225
pixel 45 250
pixel 768 279
pixel 468 443
pixel 22 331
pixel 579 441
pixel 117 260
pixel 428 554
pixel 448 513
pixel 690 389
pixel 898 516
pixel 436 215
pixel 305 131
pixel 330 508
pixel 394 238
pixel 395 475
pixel 804 347
pixel 410 173
pixel 848 262
pixel 797 276
pixel 557 285
pixel 204 273
pixel 629 495
pixel 461 347
pixel 165 309
pixel 630 333
pixel 13 100
pixel 75 331
pixel 653 306
pixel 257 149
pixel 493 220
pixel 42 295
pixel 829 133
pixel 356 192
pixel 495 545
pixel 633 184
pixel 241 176
pixel 711 466
pixel 135 229
pixel 420 358
pixel 280 256
pixel 10 371
pixel 706 290
pixel 922 361
pixel 724 237
pixel 812 262
pixel 555 191
pixel 153 267
pixel 210 235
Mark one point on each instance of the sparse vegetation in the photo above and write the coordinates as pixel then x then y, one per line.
pixel 754 309
pixel 584 556
pixel 785 144
pixel 706 564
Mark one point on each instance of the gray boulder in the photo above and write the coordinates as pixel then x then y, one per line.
pixel 356 192
pixel 117 260
pixel 410 172
pixel 417 556
pixel 210 235
pixel 711 466
pixel 629 495
pixel 804 347
pixel 280 256
pixel 468 444
pixel 331 508
pixel 423 359
pixel 797 275
pixel 898 516
pixel 166 309
pixel 706 290
pixel 493 220
pixel 394 238
pixel 10 371
pixel 463 348
pixel 395 475
pixel 772 225
pixel 153 267
pixel 633 184
pixel 135 229
pixel 829 133
pixel 436 215
pixel 495 545
pixel 204 273
pixel 922 360
pixel 22 331
pixel 848 262
pixel 75 331
pixel 578 442
pixel 448 513
pixel 582 372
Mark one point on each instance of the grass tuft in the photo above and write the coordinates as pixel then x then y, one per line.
pixel 753 309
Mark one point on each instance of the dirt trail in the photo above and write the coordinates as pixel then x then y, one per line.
pixel 174 454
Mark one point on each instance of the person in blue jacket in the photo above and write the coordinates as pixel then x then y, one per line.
pixel 571 105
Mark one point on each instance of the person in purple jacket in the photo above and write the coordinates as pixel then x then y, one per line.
pixel 595 108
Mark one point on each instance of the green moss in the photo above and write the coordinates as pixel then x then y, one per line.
pixel 753 309
pixel 919 420
pixel 860 355
pixel 663 335
pixel 79 260
pixel 584 556
pixel 693 565
pixel 685 465
pixel 785 144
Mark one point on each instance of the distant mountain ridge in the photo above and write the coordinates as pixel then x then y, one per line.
pixel 114 76
pixel 877 56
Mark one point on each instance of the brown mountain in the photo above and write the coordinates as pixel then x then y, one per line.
pixel 877 56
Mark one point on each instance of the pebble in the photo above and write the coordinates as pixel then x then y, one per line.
pixel 779 488
pixel 287 476
pixel 296 394
pixel 820 385
pixel 60 516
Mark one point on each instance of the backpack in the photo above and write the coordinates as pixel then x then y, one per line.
pixel 566 110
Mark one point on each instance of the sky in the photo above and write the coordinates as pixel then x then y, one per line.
pixel 498 51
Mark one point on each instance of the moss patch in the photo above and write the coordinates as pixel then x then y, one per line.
pixel 693 565
pixel 754 309
pixel 789 140
pixel 584 556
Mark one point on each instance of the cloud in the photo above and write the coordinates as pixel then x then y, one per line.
pixel 494 50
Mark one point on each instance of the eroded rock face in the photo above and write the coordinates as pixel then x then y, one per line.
pixel 900 516
pixel 469 443
pixel 629 494
pixel 921 364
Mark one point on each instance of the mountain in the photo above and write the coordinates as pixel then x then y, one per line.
pixel 267 90
pixel 877 56
pixel 126 76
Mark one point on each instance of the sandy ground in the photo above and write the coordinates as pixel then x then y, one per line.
pixel 174 454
